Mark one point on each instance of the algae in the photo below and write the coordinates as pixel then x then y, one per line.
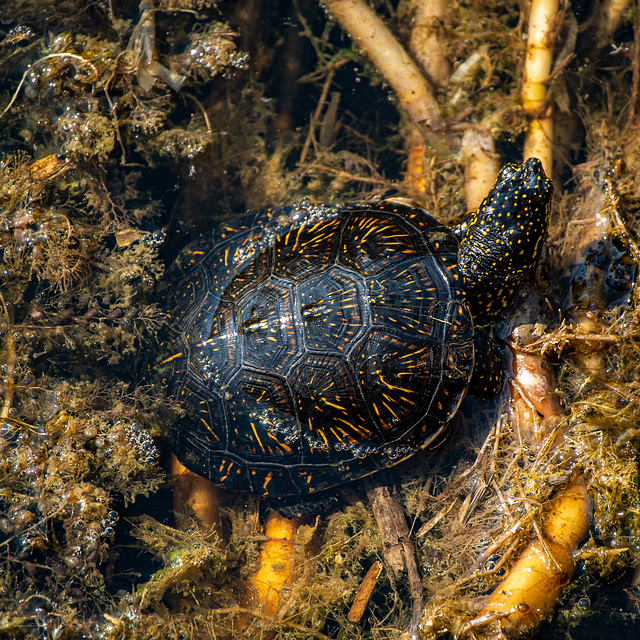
pixel 129 128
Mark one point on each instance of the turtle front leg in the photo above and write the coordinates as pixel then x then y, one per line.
pixel 488 369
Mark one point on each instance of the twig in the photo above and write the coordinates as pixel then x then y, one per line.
pixel 525 521
pixel 346 174
pixel 10 351
pixel 71 56
pixel 316 115
pixel 537 69
pixel 361 600
pixel 477 574
pixel 399 550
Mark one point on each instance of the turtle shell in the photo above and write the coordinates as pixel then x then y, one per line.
pixel 313 345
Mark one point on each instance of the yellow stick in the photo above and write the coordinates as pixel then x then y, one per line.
pixel 531 589
pixel 275 574
pixel 537 69
pixel 193 493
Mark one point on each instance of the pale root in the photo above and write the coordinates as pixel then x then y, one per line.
pixel 402 74
pixel 481 165
pixel 543 15
pixel 275 573
pixel 532 587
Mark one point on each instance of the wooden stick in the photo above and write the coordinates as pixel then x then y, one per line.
pixel 481 165
pixel 372 36
pixel 537 69
pixel 427 41
pixel 399 551
pixel 275 573
pixel 532 587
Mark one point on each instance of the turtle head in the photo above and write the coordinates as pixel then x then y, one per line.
pixel 504 237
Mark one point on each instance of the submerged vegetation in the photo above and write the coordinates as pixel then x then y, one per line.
pixel 127 129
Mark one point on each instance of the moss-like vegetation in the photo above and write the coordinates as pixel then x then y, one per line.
pixel 127 129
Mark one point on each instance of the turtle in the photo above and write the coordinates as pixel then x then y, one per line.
pixel 312 345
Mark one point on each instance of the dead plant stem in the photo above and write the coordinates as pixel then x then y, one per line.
pixel 543 15
pixel 396 66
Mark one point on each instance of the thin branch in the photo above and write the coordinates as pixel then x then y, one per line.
pixel 396 66
pixel 70 56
